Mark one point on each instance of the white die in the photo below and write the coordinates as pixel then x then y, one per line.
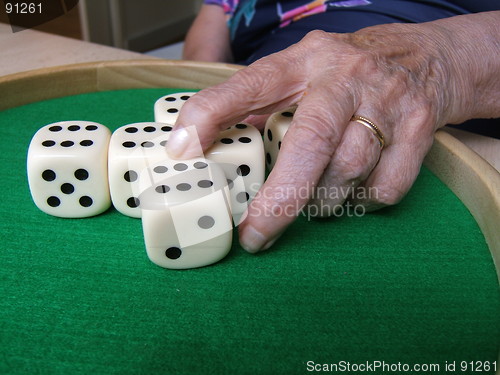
pixel 133 148
pixel 240 152
pixel 185 213
pixel 276 127
pixel 67 169
pixel 166 109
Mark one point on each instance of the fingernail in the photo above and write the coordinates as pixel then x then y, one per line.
pixel 270 243
pixel 273 240
pixel 252 240
pixel 184 143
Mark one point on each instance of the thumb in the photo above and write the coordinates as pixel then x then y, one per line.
pixel 184 142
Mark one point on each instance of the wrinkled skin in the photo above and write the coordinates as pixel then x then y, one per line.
pixel 408 79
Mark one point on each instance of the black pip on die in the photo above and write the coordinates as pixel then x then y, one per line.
pixel 67 169
pixel 167 108
pixel 133 148
pixel 239 151
pixel 76 169
pixel 186 216
pixel 276 127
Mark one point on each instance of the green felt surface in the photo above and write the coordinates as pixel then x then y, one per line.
pixel 413 283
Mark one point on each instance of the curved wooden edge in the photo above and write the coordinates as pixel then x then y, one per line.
pixel 474 181
pixel 48 83
pixel 471 178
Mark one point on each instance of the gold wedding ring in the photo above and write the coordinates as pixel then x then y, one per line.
pixel 370 125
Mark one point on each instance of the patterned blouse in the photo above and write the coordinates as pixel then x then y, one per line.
pixel 260 27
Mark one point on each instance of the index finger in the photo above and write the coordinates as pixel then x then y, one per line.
pixel 263 87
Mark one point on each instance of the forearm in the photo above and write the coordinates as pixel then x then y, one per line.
pixel 471 43
pixel 208 37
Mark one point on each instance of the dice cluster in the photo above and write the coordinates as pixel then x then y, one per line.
pixel 77 169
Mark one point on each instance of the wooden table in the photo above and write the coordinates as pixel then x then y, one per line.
pixel 29 49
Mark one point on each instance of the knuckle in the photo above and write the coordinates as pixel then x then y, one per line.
pixel 353 165
pixel 351 170
pixel 388 196
pixel 315 38
pixel 366 62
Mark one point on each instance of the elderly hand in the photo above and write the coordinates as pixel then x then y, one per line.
pixel 408 79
